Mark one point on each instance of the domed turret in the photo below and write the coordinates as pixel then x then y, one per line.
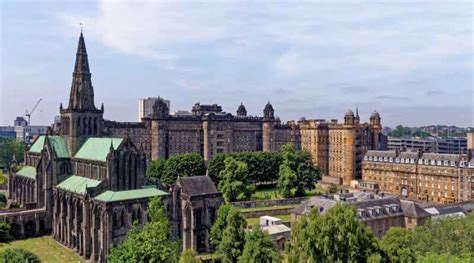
pixel 375 118
pixel 268 112
pixel 349 117
pixel 241 111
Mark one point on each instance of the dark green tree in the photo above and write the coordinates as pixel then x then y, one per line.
pixel 296 173
pixel 258 248
pixel 15 255
pixel 336 236
pixel 5 232
pixel 8 148
pixel 397 245
pixel 187 164
pixel 233 238
pixel 189 256
pixel 150 243
pixel 220 224
pixel 156 169
pixel 235 184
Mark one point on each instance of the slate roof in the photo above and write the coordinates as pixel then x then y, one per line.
pixel 323 203
pixel 276 229
pixel 198 185
pixel 27 171
pixel 97 149
pixel 382 153
pixel 409 155
pixel 77 184
pixel 113 196
pixel 450 210
pixel 412 209
pixel 440 157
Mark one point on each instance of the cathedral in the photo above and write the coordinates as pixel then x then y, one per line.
pixel 85 182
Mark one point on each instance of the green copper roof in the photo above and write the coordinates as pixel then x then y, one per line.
pixel 37 146
pixel 27 171
pixel 77 184
pixel 57 142
pixel 97 148
pixel 59 146
pixel 112 196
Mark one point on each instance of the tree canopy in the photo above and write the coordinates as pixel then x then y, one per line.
pixel 258 248
pixel 10 147
pixel 189 256
pixel 220 224
pixel 233 237
pixel 5 232
pixel 235 184
pixel 262 166
pixel 18 255
pixel 187 164
pixel 296 172
pixel 150 243
pixel 451 238
pixel 337 235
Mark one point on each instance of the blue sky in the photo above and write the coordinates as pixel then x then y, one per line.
pixel 412 62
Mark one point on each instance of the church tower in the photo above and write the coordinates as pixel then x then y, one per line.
pixel 81 119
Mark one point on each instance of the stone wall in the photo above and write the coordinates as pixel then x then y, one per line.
pixel 267 203
pixel 267 212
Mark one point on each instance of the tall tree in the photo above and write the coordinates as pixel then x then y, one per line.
pixel 8 148
pixel 189 256
pixel 233 238
pixel 338 235
pixel 220 224
pixel 258 248
pixel 156 169
pixel 297 173
pixel 151 243
pixel 235 184
pixel 187 164
pixel 397 245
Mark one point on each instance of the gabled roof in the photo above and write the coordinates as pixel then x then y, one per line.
pixel 38 144
pixel 77 184
pixel 412 209
pixel 97 148
pixel 112 196
pixel 198 185
pixel 57 142
pixel 27 171
pixel 59 146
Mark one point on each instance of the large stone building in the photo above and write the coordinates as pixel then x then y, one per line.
pixel 88 188
pixel 377 212
pixel 429 177
pixel 338 148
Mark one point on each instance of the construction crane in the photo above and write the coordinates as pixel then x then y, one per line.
pixel 28 114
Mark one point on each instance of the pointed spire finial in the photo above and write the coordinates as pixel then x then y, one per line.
pixel 81 26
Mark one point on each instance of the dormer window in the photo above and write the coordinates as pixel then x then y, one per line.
pixel 420 161
pixel 453 163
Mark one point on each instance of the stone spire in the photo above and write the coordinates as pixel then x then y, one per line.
pixel 82 92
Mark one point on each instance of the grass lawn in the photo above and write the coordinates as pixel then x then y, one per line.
pixel 46 248
pixel 256 220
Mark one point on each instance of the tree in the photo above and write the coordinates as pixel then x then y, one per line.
pixel 8 148
pixel 19 255
pixel 187 164
pixel 235 184
pixel 233 238
pixel 220 224
pixel 258 248
pixel 397 245
pixel 189 256
pixel 156 169
pixel 150 243
pixel 5 232
pixel 297 173
pixel 450 236
pixel 337 235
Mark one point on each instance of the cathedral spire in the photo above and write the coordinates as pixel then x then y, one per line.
pixel 82 92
